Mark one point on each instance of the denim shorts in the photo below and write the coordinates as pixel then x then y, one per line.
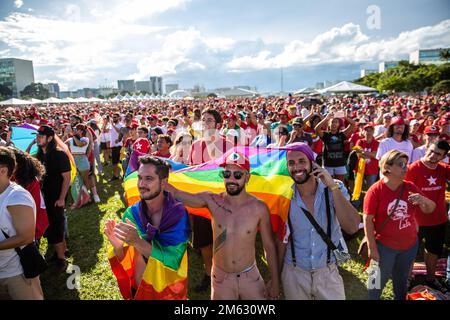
pixel 82 163
pixel 337 170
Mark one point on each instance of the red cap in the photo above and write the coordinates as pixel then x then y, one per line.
pixel 416 107
pixel 238 159
pixel 426 108
pixel 134 124
pixel 431 130
pixel 398 120
pixel 231 116
pixel 369 125
pixel 283 112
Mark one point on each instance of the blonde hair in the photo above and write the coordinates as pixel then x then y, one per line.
pixel 390 157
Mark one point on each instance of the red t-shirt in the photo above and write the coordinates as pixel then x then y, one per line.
pixel 317 145
pixel 158 154
pixel 142 145
pixel 41 213
pixel 432 183
pixel 400 232
pixel 355 137
pixel 372 163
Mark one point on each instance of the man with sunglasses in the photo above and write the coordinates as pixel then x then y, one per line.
pixel 430 175
pixel 236 218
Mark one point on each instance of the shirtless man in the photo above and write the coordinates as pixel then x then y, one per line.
pixel 236 217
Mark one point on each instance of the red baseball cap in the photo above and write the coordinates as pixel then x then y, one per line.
pixel 369 125
pixel 416 107
pixel 425 107
pixel 431 130
pixel 283 112
pixel 398 120
pixel 236 158
pixel 231 116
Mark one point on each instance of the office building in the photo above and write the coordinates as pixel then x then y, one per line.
pixel 53 89
pixel 126 85
pixel 142 86
pixel 172 87
pixel 427 56
pixel 366 72
pixel 16 74
pixel 156 86
pixel 386 65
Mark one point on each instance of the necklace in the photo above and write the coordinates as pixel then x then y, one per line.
pixel 221 206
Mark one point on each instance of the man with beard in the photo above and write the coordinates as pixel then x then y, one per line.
pixel 236 218
pixel 157 226
pixel 308 265
pixel 397 139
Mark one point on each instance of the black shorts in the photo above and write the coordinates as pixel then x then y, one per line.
pixel 202 232
pixel 115 155
pixel 434 238
pixel 104 146
pixel 55 230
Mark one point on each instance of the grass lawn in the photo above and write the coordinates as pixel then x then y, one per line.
pixel 88 247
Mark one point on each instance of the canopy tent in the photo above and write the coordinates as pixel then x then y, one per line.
pixel 147 97
pixel 94 99
pixel 126 97
pixel 307 91
pixel 14 102
pixel 52 100
pixel 81 100
pixel 347 87
pixel 35 101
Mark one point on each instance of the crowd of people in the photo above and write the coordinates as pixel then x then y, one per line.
pixel 404 141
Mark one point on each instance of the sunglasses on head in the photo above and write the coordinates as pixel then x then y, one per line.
pixel 226 174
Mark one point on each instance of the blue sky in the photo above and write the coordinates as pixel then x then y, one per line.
pixel 86 43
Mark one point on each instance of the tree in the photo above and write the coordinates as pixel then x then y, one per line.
pixel 441 87
pixel 122 93
pixel 445 54
pixel 100 96
pixel 35 90
pixel 5 92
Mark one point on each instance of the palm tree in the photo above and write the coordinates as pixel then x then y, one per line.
pixel 445 54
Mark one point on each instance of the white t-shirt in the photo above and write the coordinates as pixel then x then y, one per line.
pixel 13 195
pixel 74 149
pixel 113 135
pixel 380 129
pixel 390 144
pixel 105 136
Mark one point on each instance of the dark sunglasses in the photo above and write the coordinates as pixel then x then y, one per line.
pixel 226 174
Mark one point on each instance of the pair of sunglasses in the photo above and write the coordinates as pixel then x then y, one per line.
pixel 226 174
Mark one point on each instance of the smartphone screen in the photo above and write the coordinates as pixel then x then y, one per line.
pixel 339 114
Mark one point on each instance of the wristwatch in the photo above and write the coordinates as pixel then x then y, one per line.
pixel 335 187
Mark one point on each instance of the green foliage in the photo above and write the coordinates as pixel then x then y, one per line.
pixel 5 92
pixel 407 77
pixel 441 87
pixel 35 90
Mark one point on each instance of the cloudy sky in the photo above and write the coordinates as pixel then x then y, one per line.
pixel 216 43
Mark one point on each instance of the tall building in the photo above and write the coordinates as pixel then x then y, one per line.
pixel 172 87
pixel 156 86
pixel 126 85
pixel 16 74
pixel 53 89
pixel 385 65
pixel 427 56
pixel 366 72
pixel 143 86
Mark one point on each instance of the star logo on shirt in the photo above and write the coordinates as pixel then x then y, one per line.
pixel 432 180
pixel 138 146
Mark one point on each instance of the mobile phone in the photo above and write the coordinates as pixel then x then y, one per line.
pixel 185 111
pixel 339 114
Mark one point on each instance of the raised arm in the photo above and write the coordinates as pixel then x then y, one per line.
pixel 194 200
pixel 321 124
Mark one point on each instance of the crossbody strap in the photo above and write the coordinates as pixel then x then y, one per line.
pixel 291 239
pixel 327 203
pixel 393 209
pixel 7 237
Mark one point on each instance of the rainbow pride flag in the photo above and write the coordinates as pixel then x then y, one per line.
pixel 165 275
pixel 270 182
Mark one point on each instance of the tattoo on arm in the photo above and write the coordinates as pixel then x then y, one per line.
pixel 220 240
pixel 219 205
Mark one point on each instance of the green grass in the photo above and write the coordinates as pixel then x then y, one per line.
pixel 88 250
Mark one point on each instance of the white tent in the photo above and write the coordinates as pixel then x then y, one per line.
pixel 126 97
pixel 14 102
pixel 94 99
pixel 81 100
pixel 52 100
pixel 35 101
pixel 347 87
pixel 306 91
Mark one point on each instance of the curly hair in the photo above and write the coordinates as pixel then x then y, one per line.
pixel 28 168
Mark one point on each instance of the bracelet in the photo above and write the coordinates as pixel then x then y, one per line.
pixel 335 187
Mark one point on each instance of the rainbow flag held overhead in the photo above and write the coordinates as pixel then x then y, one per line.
pixel 270 182
pixel 165 275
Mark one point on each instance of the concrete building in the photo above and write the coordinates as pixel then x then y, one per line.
pixel 172 87
pixel 366 72
pixel 156 86
pixel 386 65
pixel 126 85
pixel 53 89
pixel 427 56
pixel 16 74
pixel 143 86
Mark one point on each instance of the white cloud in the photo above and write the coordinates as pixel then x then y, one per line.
pixel 345 44
pixel 18 3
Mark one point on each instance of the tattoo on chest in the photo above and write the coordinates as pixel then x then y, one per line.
pixel 220 240
pixel 221 206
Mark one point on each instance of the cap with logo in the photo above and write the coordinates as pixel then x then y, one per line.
pixel 45 131
pixel 236 158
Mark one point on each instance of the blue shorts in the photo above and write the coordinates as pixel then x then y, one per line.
pixel 82 163
pixel 342 171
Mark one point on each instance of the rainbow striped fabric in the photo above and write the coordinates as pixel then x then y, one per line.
pixel 270 182
pixel 165 275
